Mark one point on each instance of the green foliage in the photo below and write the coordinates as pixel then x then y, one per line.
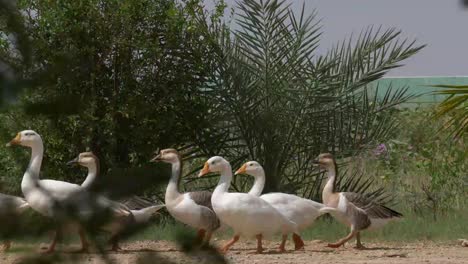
pixel 410 228
pixel 14 48
pixel 455 106
pixel 425 169
pixel 119 78
pixel 274 100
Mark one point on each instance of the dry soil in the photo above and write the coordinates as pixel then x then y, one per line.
pixel 244 253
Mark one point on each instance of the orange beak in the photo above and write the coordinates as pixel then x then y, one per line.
pixel 15 141
pixel 205 170
pixel 241 170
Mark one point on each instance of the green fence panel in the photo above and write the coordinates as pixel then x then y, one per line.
pixel 420 86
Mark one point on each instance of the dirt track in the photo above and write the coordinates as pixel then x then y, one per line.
pixel 315 252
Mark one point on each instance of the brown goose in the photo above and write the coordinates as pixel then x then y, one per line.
pixel 355 210
pixel 191 208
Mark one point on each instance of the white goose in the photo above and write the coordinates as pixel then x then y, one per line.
pixel 11 206
pixel 301 211
pixel 192 208
pixel 48 197
pixel 246 214
pixel 115 227
pixel 355 210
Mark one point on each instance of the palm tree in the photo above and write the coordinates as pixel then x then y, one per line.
pixel 455 106
pixel 275 100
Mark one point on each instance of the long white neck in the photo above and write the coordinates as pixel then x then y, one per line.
pixel 259 183
pixel 224 181
pixel 91 177
pixel 31 176
pixel 329 187
pixel 172 190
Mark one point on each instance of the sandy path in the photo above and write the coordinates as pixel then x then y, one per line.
pixel 315 252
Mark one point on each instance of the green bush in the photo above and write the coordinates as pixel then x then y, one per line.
pixel 422 165
pixel 119 78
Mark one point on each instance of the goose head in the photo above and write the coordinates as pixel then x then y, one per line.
pixel 85 159
pixel 326 161
pixel 26 138
pixel 252 168
pixel 214 164
pixel 167 155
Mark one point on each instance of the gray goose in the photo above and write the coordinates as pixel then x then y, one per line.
pixel 134 214
pixel 355 210
pixel 192 208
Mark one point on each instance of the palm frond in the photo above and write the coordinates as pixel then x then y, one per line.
pixel 455 106
pixel 274 100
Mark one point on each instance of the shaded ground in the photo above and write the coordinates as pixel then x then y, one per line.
pixel 243 253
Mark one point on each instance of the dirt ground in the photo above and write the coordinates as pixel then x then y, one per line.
pixel 243 253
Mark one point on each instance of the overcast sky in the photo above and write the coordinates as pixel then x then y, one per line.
pixel 441 24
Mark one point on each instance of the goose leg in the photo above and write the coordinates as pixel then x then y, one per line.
pixel 283 243
pixel 343 240
pixel 358 241
pixel 207 238
pixel 84 241
pixel 259 243
pixel 298 243
pixel 200 236
pixel 229 244
pixel 116 247
pixel 6 245
pixel 52 244
pixel 116 234
pixel 114 241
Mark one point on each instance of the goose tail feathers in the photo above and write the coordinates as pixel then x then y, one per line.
pixel 143 215
pixel 327 210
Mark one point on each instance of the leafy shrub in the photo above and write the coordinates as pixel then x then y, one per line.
pixel 422 164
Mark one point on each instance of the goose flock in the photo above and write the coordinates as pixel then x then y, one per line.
pixel 250 215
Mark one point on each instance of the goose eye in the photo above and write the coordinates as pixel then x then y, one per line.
pixel 213 162
pixel 251 165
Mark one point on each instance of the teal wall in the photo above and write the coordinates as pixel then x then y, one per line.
pixel 420 86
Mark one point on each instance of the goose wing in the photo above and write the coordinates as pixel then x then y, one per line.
pixel 203 199
pixel 10 203
pixel 136 202
pixel 59 190
pixel 69 196
pixel 373 210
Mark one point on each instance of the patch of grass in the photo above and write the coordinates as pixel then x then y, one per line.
pixel 422 166
pixel 325 228
pixel 448 227
pixel 408 229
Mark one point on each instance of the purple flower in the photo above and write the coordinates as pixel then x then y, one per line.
pixel 380 150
